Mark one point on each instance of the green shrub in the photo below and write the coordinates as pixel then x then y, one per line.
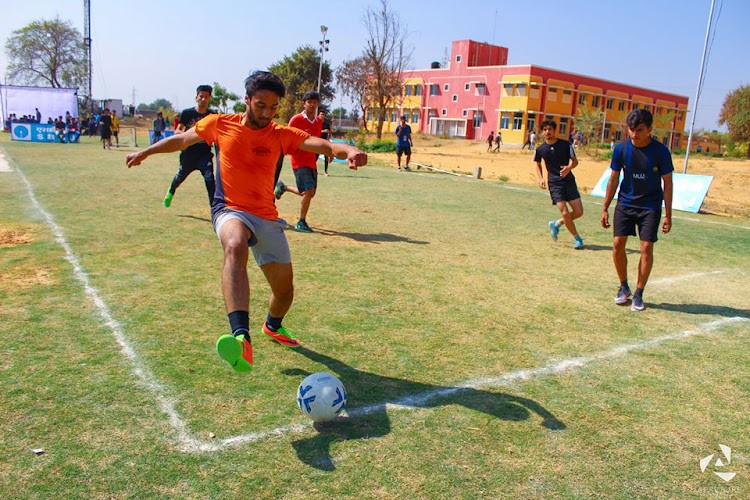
pixel 379 146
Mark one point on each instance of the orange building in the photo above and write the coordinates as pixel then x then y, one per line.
pixel 478 93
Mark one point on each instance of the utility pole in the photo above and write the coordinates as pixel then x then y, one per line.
pixel 322 49
pixel 87 50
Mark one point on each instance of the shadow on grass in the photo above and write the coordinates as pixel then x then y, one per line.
pixel 368 394
pixel 708 309
pixel 204 219
pixel 608 248
pixel 371 238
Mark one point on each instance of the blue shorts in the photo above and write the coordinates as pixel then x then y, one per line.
pixel 267 239
pixel 307 178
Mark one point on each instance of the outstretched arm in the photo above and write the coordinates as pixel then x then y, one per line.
pixel 177 142
pixel 354 156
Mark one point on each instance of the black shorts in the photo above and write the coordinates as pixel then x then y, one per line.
pixel 647 221
pixel 403 150
pixel 306 177
pixel 563 192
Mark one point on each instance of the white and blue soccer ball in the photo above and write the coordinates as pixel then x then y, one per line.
pixel 321 396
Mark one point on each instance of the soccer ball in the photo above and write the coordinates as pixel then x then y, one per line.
pixel 321 396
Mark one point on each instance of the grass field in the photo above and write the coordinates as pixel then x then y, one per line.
pixel 482 359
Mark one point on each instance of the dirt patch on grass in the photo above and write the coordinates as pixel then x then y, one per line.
pixel 26 278
pixel 729 193
pixel 14 236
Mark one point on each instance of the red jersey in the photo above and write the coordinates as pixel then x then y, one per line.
pixel 313 128
pixel 246 168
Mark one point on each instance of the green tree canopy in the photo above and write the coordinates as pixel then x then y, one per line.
pixel 299 72
pixel 48 53
pixel 160 104
pixel 735 113
pixel 221 97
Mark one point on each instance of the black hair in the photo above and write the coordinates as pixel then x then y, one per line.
pixel 549 123
pixel 638 116
pixel 263 80
pixel 204 88
pixel 311 95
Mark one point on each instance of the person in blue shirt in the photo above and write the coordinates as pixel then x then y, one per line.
pixel 646 164
pixel 403 143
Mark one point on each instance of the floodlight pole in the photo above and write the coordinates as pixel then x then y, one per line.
pixel 700 84
pixel 323 48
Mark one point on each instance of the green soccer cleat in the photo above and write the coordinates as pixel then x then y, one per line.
pixel 168 199
pixel 237 351
pixel 282 336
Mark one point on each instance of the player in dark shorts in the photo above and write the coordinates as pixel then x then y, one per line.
pixel 646 164
pixel 105 131
pixel 198 156
pixel 403 143
pixel 560 160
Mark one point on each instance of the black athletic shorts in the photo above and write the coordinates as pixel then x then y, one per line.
pixel 563 192
pixel 647 221
pixel 403 150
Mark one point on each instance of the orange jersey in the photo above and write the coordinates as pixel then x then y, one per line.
pixel 314 128
pixel 246 168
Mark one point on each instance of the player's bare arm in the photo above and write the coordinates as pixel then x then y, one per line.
pixel 354 156
pixel 171 144
pixel 614 180
pixel 540 177
pixel 666 224
pixel 567 168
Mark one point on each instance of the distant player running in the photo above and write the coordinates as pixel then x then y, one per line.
pixel 560 160
pixel 198 156
pixel 244 211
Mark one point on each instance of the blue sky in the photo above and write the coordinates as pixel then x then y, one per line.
pixel 165 49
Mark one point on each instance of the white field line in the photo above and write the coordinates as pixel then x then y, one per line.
pixel 685 277
pixel 188 443
pixel 4 165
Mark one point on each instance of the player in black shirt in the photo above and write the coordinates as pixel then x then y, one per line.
pixel 198 156
pixel 560 159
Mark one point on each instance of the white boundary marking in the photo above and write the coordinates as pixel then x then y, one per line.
pixel 4 165
pixel 188 443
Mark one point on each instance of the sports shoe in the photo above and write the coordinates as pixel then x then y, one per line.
pixel 623 295
pixel 279 190
pixel 282 336
pixel 637 304
pixel 302 226
pixel 578 243
pixel 553 229
pixel 237 351
pixel 168 199
pixel 407 168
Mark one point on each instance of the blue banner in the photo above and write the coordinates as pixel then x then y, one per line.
pixel 688 190
pixel 39 132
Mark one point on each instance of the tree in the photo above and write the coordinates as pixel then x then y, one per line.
pixel 48 53
pixel 588 121
pixel 353 78
pixel 386 55
pixel 299 72
pixel 339 112
pixel 735 114
pixel 221 97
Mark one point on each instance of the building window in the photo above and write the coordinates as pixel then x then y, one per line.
pixel 681 115
pixel 458 58
pixel 618 135
pixel 454 98
pixel 595 101
pixel 635 105
pixel 621 106
pixel 563 126
pixel 508 89
pixel 481 89
pixel 407 90
pixel 552 95
pixel 477 119
pixel 534 93
pixel 647 107
pixel 606 133
pixel 467 86
pixel 434 89
pixel 465 112
pixel 517 121
pixel 531 123
pixel 444 111
pixel 415 116
pixel 446 87
pixel 582 99
pixel 369 115
pixel 417 90
pixel 610 103
pixel 521 90
pixel 567 96
pixel 504 121
pixel 394 116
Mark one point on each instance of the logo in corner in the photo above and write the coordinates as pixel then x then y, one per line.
pixel 726 452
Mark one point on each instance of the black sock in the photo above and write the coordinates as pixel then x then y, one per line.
pixel 272 323
pixel 639 292
pixel 239 322
pixel 625 284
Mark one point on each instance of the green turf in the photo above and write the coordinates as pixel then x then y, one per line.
pixel 412 285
